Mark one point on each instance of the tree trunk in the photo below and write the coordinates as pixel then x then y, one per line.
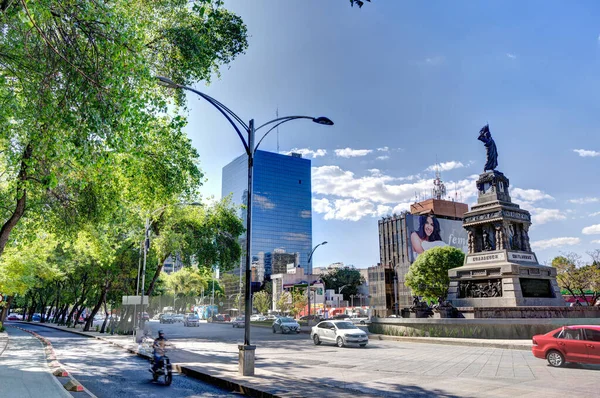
pixel 90 321
pixel 62 315
pixel 21 197
pixel 6 308
pixel 155 277
pixel 103 328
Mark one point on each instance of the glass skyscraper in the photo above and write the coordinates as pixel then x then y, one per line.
pixel 281 209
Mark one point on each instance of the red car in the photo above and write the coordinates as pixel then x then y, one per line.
pixel 580 344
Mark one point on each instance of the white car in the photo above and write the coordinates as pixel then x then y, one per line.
pixel 340 332
pixel 286 325
pixel 257 318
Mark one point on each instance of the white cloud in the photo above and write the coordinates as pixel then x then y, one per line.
pixel 343 195
pixel 542 216
pixel 434 61
pixel 583 201
pixel 305 152
pixel 296 237
pixel 529 195
pixel 352 153
pixel 595 214
pixel 263 202
pixel 591 230
pixel 385 157
pixel 585 153
pixel 383 149
pixel 555 242
pixel 511 55
pixel 305 214
pixel 597 241
pixel 445 166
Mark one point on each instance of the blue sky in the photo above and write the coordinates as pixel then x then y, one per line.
pixel 409 82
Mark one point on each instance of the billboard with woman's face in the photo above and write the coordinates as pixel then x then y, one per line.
pixel 428 231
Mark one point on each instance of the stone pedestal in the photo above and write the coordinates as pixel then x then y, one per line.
pixel 246 359
pixel 500 269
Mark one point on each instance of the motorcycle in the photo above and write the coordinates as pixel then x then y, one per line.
pixel 164 369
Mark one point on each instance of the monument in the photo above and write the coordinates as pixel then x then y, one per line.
pixel 500 269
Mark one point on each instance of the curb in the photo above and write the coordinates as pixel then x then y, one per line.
pixel 55 366
pixel 233 386
pixel 468 343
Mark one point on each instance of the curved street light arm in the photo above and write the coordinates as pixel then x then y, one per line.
pixel 272 128
pixel 285 119
pixel 313 250
pixel 225 112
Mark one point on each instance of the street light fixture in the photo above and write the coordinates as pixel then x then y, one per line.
pixel 309 267
pixel 246 351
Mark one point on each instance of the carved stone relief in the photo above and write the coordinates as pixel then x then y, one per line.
pixel 489 288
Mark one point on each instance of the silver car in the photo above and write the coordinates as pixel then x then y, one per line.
pixel 286 325
pixel 339 332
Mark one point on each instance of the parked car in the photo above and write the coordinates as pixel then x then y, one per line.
pixel 191 320
pixel 239 322
pixel 578 344
pixel 311 317
pixel 338 332
pixel 178 318
pixel 222 318
pixel 144 316
pixel 36 317
pixel 286 325
pixel 361 320
pixel 166 318
pixel 341 316
pixel 14 317
pixel 257 318
pixel 270 317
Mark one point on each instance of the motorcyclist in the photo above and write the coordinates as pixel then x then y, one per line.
pixel 159 349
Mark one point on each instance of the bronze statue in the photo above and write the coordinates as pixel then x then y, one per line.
pixel 492 153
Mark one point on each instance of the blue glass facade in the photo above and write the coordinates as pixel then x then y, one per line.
pixel 281 209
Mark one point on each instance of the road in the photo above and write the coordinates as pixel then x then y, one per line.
pixel 109 371
pixel 388 368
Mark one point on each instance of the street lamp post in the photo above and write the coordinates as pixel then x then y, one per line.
pixel 309 267
pixel 246 351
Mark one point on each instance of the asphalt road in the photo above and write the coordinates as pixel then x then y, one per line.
pixel 109 371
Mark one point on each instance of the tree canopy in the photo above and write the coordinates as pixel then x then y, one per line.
pixel 91 146
pixel 581 280
pixel 428 275
pixel 348 279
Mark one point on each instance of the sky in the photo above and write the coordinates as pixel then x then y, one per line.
pixel 409 84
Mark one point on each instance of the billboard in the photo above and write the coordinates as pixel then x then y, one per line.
pixel 427 231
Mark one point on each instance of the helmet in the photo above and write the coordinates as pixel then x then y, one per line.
pixel 161 333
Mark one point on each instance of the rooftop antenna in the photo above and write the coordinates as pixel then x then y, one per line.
pixel 277 117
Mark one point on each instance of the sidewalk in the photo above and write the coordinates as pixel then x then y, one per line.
pixel 24 371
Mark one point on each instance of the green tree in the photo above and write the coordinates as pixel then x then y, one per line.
pixel 262 301
pixel 582 281
pixel 299 301
pixel 428 275
pixel 285 302
pixel 78 86
pixel 347 278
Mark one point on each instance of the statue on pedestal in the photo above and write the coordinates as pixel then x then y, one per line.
pixel 492 153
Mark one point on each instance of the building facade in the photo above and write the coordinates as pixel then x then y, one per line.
pixel 381 290
pixel 397 239
pixel 281 209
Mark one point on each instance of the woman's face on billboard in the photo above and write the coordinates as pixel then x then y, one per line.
pixel 428 226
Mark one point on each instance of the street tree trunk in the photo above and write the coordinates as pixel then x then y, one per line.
pixel 90 321
pixel 21 199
